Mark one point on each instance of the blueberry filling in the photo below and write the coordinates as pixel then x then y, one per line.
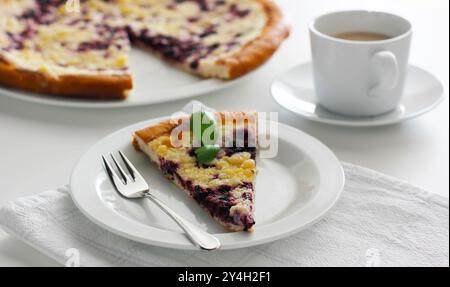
pixel 191 152
pixel 211 30
pixel 242 145
pixel 238 146
pixel 94 45
pixel 195 64
pixel 235 11
pixel 169 47
pixel 168 168
pixel 224 189
pixel 229 151
pixel 47 4
pixel 109 36
pixel 205 52
pixel 247 185
pixel 248 195
pixel 193 19
pixel 29 32
pixel 16 42
pixel 175 49
pixel 42 15
pixel 200 194
pixel 217 201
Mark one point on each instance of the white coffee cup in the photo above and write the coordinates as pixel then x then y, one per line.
pixel 360 78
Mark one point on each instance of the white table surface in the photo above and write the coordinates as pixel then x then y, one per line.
pixel 41 144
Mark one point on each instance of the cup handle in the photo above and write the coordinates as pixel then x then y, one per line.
pixel 388 73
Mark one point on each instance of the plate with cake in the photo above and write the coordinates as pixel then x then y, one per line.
pixel 256 181
pixel 123 53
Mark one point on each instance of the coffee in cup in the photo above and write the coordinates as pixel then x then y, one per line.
pixel 362 36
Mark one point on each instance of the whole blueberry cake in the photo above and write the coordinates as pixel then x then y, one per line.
pixel 221 178
pixel 47 47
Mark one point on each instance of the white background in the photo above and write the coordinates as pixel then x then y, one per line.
pixel 41 144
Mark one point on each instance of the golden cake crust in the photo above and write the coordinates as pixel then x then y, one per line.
pixel 258 51
pixel 103 87
pixel 151 133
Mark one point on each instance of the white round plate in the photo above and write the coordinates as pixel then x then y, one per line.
pixel 293 191
pixel 294 90
pixel 154 82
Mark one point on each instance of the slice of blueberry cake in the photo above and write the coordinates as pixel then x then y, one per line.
pixel 48 47
pixel 221 179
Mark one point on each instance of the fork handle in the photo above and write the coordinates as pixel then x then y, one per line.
pixel 197 235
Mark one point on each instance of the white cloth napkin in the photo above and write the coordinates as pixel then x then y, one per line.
pixel 378 221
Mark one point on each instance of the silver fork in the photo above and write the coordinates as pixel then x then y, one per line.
pixel 132 185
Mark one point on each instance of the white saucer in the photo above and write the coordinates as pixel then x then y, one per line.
pixel 294 90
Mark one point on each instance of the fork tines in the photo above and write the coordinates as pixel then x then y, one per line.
pixel 124 177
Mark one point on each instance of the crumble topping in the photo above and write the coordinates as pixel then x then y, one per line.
pixel 224 170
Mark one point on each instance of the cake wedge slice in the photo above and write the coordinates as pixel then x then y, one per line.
pixel 225 186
